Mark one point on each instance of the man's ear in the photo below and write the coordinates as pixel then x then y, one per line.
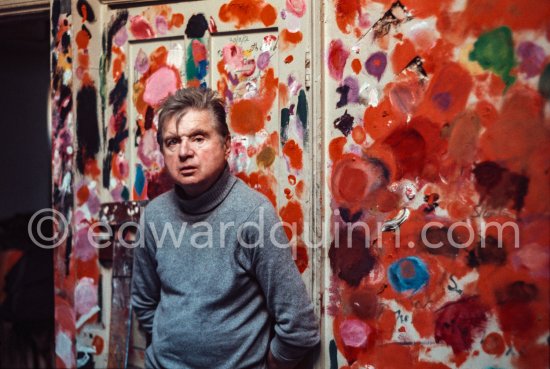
pixel 227 144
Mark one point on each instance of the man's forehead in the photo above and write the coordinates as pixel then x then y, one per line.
pixel 190 122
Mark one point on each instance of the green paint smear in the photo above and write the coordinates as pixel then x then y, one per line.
pixel 333 353
pixel 494 50
pixel 544 83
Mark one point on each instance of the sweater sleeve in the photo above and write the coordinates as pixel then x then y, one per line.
pixel 296 326
pixel 145 281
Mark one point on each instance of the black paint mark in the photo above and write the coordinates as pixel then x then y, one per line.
pixel 350 257
pixel 498 186
pixel 344 123
pixel 417 65
pixel 517 292
pixel 383 25
pixel 431 201
pixel 196 26
pixel 87 129
pixel 85 11
pixel 285 120
pixel 65 42
pixel 149 115
pixel 348 217
pixel 544 83
pixel 343 91
pixel 333 354
pixel 438 242
pixel 114 26
pixel 56 12
pixel 454 286
pixel 488 252
pixel 117 96
pixel 301 110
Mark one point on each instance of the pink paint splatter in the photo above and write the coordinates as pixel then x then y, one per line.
pixel 159 85
pixel 354 332
pixel 121 37
pixel 532 58
pixel 337 58
pixel 85 295
pixel 296 7
pixel 142 62
pixel 162 25
pixel 199 51
pixel 140 28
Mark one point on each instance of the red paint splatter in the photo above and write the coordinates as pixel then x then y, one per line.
pixel 337 57
pixel 289 59
pixel 347 12
pixel 82 39
pixel 98 344
pixel 402 55
pixel 356 66
pixel 493 344
pixel 292 214
pixel 300 257
pixel 336 148
pixel 294 154
pixel 140 28
pixel 261 182
pixel 459 322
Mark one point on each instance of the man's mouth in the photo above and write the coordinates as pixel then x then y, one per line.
pixel 187 170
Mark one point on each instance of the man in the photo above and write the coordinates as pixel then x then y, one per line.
pixel 214 282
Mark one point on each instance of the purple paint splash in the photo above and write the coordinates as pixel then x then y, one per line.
pixel 376 64
pixel 532 58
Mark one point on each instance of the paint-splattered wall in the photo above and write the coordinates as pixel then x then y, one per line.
pixel 437 111
pixel 433 113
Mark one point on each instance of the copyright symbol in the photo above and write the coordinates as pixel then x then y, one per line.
pixel 60 225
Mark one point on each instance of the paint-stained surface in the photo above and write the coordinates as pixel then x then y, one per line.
pixel 437 111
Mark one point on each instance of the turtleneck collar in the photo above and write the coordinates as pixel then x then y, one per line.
pixel 208 200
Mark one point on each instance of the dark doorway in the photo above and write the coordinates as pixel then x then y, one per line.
pixel 26 271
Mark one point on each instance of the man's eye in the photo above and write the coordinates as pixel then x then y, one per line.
pixel 198 139
pixel 171 142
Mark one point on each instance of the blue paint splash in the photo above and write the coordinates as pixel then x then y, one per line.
pixel 139 183
pixel 408 274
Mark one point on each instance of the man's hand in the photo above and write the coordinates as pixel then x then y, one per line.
pixel 273 363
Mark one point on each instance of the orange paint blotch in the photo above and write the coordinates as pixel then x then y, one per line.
pixel 283 94
pixel 289 59
pixel 336 148
pixel 423 322
pixel 292 179
pixel 358 134
pixel 98 344
pixel 356 66
pixel 118 66
pixel 290 39
pixel 294 154
pixel 292 214
pixel 379 120
pixel 268 15
pixel 447 93
pixel 82 195
pixel 176 20
pixel 82 39
pixel 87 268
pixel 247 116
pixel 247 12
pixel 402 55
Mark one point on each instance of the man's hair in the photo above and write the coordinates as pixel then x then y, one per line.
pixel 185 99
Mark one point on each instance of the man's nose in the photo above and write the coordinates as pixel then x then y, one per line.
pixel 185 150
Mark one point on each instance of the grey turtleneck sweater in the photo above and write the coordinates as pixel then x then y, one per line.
pixel 217 291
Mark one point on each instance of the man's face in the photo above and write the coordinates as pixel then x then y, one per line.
pixel 194 152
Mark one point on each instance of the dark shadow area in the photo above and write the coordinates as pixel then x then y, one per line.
pixel 26 271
